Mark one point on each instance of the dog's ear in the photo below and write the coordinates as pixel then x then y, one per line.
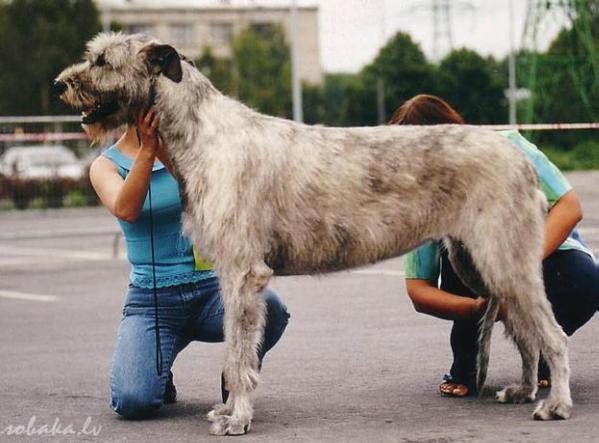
pixel 166 60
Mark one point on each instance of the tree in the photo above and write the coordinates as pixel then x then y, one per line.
pixel 218 70
pixel 262 68
pixel 567 88
pixel 473 85
pixel 39 38
pixel 403 68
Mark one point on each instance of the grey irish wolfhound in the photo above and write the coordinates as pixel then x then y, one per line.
pixel 264 194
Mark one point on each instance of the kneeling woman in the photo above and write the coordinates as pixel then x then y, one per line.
pixel 186 305
pixel 570 272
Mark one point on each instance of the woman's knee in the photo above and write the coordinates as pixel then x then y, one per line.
pixel 277 315
pixel 277 318
pixel 135 403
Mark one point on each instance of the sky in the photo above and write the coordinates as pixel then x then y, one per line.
pixel 352 31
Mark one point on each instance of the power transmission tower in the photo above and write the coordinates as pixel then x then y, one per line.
pixel 576 16
pixel 441 16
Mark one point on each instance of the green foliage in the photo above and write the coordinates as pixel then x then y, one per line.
pixel 584 155
pixel 473 86
pixel 259 73
pixel 38 38
pixel 6 205
pixel 74 198
pixel 218 70
pixel 263 70
pixel 403 68
pixel 23 193
pixel 566 85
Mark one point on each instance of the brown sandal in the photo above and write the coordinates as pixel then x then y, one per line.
pixel 449 389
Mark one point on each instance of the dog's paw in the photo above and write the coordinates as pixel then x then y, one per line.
pixel 229 425
pixel 552 409
pixel 516 394
pixel 220 409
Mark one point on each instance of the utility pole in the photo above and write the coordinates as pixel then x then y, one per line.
pixel 298 114
pixel 380 83
pixel 105 13
pixel 441 19
pixel 512 69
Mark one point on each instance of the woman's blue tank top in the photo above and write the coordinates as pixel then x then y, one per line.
pixel 174 258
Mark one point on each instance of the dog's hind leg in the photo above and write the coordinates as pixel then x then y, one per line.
pixel 509 261
pixel 534 328
pixel 554 349
pixel 531 324
pixel 245 314
pixel 527 391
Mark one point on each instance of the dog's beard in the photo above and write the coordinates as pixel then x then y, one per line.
pixel 102 135
pixel 109 127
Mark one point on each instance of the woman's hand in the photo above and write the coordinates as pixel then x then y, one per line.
pixel 147 131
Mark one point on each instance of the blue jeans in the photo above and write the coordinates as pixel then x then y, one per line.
pixel 189 312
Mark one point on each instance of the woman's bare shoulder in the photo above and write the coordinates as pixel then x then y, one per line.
pixel 101 169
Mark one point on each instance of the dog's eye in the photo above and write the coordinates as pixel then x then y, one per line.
pixel 100 61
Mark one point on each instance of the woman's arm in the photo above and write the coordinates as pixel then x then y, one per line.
pixel 125 198
pixel 163 157
pixel 561 219
pixel 428 299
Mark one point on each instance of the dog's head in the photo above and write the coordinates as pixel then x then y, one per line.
pixel 114 81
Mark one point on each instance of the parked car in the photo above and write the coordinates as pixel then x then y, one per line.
pixel 40 161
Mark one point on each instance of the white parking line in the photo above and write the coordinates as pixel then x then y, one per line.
pixel 51 254
pixel 29 297
pixel 388 272
pixel 588 231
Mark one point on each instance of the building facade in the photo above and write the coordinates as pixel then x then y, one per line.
pixel 192 28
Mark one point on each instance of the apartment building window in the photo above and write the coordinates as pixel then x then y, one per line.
pixel 140 28
pixel 221 33
pixel 182 34
pixel 264 29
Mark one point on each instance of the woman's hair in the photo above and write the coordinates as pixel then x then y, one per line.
pixel 425 109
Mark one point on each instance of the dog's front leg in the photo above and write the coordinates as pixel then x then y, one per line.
pixel 245 313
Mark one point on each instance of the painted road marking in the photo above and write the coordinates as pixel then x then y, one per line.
pixel 387 272
pixel 25 296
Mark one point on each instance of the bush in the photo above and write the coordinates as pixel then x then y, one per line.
pixel 75 198
pixel 6 204
pixel 583 156
pixel 22 193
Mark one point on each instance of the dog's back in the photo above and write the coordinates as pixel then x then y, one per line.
pixel 348 197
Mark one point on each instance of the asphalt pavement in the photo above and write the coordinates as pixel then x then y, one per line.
pixel 356 364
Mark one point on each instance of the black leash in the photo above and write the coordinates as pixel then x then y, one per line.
pixel 154 289
pixel 158 347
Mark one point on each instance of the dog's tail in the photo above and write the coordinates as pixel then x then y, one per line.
pixel 484 342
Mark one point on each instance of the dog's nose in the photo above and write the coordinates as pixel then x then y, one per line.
pixel 59 87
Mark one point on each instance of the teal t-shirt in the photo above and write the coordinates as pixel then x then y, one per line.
pixel 424 263
pixel 174 258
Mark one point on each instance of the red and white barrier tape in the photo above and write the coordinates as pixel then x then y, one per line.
pixel 544 126
pixel 43 137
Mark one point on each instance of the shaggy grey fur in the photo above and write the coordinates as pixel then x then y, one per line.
pixel 264 195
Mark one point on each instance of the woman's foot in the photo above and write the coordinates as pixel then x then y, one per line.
pixel 170 392
pixel 453 389
pixel 543 374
